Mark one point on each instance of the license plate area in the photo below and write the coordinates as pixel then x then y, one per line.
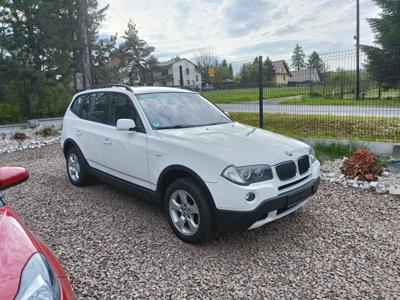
pixel 299 196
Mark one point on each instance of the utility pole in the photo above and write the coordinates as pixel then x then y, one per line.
pixel 181 83
pixel 261 92
pixel 357 92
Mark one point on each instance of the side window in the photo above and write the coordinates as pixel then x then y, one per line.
pixel 94 107
pixel 77 105
pixel 121 107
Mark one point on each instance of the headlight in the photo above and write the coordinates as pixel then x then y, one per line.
pixel 248 174
pixel 311 153
pixel 38 281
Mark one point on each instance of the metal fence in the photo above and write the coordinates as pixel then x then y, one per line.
pixel 318 100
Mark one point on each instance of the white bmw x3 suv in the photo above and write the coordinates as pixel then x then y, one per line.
pixel 175 148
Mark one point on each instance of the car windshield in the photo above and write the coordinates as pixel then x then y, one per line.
pixel 180 110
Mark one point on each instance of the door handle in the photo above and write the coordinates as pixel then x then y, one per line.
pixel 106 141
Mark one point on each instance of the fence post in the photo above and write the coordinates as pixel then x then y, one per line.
pixel 261 93
pixel 181 76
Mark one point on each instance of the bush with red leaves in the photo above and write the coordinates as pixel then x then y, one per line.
pixel 363 165
pixel 19 136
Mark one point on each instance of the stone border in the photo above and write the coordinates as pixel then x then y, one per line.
pixel 389 182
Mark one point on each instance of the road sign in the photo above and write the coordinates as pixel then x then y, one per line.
pixel 211 71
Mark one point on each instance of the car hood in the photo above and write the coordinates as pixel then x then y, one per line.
pixel 16 247
pixel 237 144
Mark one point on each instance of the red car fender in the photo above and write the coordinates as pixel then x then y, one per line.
pixel 17 245
pixel 65 286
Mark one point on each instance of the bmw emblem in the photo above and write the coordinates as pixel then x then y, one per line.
pixel 288 153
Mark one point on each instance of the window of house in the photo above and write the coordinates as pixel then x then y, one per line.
pixel 188 82
pixel 197 78
pixel 187 71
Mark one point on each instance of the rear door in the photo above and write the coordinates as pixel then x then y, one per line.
pixel 89 127
pixel 125 153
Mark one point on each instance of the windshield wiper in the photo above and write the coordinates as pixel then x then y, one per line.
pixel 217 123
pixel 176 127
pixel 191 126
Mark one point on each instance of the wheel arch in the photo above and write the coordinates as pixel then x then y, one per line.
pixel 174 172
pixel 68 144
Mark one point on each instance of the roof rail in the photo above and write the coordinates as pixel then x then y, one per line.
pixel 128 88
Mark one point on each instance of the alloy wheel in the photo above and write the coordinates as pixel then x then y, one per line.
pixel 74 168
pixel 184 212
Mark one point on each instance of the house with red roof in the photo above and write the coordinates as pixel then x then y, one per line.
pixel 282 73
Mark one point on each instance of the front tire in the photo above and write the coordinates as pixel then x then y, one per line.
pixel 76 169
pixel 188 211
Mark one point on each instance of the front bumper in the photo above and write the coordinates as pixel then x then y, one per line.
pixel 268 211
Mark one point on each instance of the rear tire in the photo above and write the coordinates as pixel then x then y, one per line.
pixel 188 211
pixel 76 168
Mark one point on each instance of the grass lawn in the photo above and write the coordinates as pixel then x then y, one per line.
pixel 327 127
pixel 251 94
pixel 347 101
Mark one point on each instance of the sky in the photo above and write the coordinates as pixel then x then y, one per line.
pixel 240 30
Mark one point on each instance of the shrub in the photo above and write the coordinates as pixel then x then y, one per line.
pixel 362 165
pixel 48 131
pixel 8 114
pixel 335 150
pixel 19 136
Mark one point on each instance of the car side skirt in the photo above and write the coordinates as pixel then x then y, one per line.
pixel 127 187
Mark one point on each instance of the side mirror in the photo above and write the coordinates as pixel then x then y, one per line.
pixel 126 125
pixel 11 176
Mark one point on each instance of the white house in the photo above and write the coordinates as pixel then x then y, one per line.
pixel 168 74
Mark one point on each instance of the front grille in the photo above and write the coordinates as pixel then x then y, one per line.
pixel 304 164
pixel 286 170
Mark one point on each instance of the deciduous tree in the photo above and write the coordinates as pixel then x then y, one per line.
pixel 384 61
pixel 268 70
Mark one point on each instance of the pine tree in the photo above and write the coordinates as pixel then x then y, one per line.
pixel 36 51
pixel 136 55
pixel 230 67
pixel 298 58
pixel 384 61
pixel 84 42
pixel 224 63
pixel 315 62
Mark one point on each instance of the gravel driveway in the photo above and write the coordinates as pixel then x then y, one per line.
pixel 343 244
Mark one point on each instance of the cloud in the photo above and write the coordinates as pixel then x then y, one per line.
pixel 241 29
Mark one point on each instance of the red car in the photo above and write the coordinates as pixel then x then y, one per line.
pixel 28 269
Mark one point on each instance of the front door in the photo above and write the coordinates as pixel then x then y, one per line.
pixel 125 153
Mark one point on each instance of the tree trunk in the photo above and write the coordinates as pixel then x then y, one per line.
pixel 32 97
pixel 84 47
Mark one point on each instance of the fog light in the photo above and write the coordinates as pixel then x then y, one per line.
pixel 250 197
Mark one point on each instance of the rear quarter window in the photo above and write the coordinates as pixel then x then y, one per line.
pixel 91 107
pixel 76 107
